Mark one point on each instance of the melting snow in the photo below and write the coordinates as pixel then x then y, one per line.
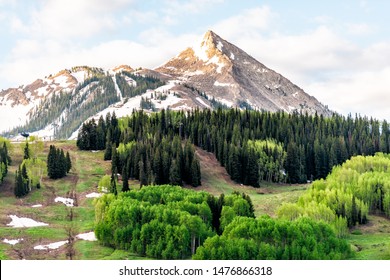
pixel 89 236
pixel 12 241
pixel 215 60
pixel 202 102
pixel 218 84
pixel 226 102
pixel 118 90
pixel 182 107
pixel 197 72
pixel 79 75
pixel 42 91
pixel 291 108
pixel 62 80
pixel 295 94
pixel 94 194
pixel 171 100
pixel 36 205
pixel 200 50
pixel 219 46
pixel 18 113
pixel 24 222
pixel 67 201
pixel 232 55
pixel 54 245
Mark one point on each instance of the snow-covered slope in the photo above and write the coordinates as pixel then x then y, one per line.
pixel 18 104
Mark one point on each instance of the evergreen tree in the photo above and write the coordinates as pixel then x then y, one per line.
pixel 113 188
pixel 293 163
pixel 51 159
pixel 252 170
pixel 174 174
pixel 195 168
pixel 125 186
pixel 108 151
pixel 143 177
pixel 26 151
pixel 58 165
pixel 68 162
pixel 115 160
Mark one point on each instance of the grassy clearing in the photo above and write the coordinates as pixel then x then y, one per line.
pixel 83 178
pixel 371 241
pixel 266 199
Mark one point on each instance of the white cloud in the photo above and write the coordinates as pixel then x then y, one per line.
pixel 359 28
pixel 32 59
pixel 364 93
pixel 177 7
pixel 67 20
pixel 247 24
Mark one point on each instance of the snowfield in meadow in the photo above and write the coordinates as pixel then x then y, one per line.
pixel 18 222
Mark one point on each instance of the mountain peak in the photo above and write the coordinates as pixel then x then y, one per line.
pixel 210 45
pixel 210 36
pixel 223 71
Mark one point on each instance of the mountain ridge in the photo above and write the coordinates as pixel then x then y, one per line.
pixel 213 73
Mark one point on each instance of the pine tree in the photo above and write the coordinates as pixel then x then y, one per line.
pixel 174 174
pixel 26 182
pixel 293 163
pixel 125 185
pixel 51 162
pixel 195 168
pixel 252 177
pixel 57 163
pixel 115 160
pixel 68 162
pixel 62 164
pixel 113 185
pixel 108 151
pixel 143 177
pixel 26 151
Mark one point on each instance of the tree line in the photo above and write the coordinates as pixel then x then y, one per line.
pixel 275 147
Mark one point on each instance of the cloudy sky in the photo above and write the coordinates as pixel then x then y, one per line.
pixel 338 51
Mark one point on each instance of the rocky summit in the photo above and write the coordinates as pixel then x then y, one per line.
pixel 227 73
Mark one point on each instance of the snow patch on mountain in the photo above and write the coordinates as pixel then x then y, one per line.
pixel 219 46
pixel 202 102
pixel 218 84
pixel 80 76
pixel 215 60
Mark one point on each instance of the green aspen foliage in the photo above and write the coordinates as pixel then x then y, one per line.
pixel 163 222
